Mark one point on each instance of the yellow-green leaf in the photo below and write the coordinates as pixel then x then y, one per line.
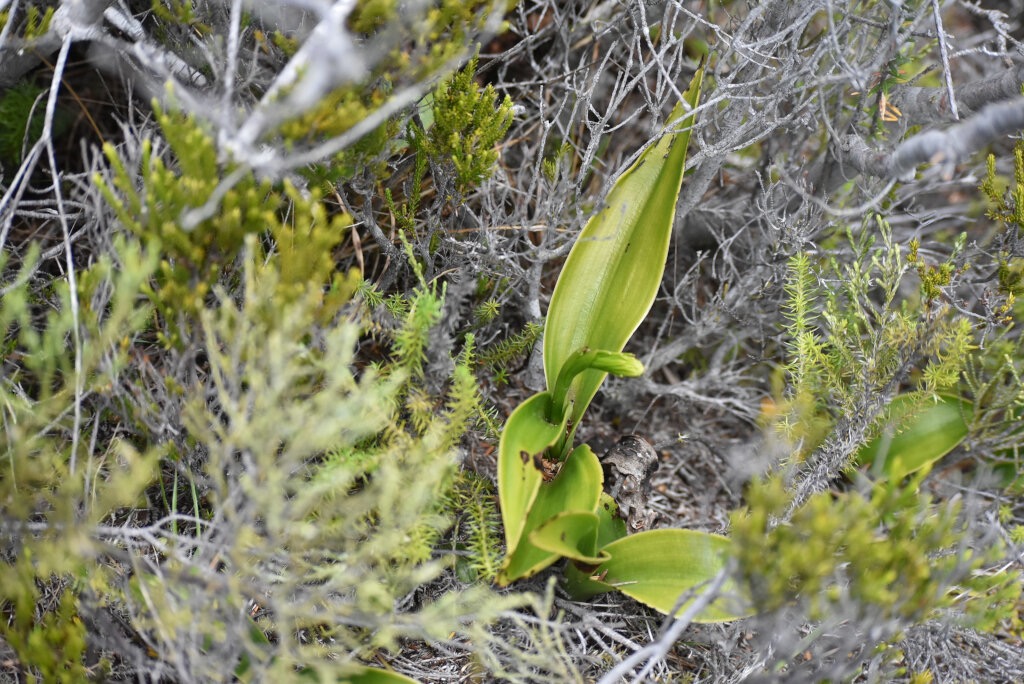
pixel 613 272
pixel 576 488
pixel 572 534
pixel 610 526
pixel 374 675
pixel 658 567
pixel 527 434
pixel 919 432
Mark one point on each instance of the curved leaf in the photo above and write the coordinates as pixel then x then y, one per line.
pixel 374 675
pixel 572 535
pixel 610 526
pixel 917 435
pixel 617 363
pixel 527 434
pixel 613 272
pixel 658 567
pixel 576 488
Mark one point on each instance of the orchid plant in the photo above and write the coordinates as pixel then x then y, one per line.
pixel 551 493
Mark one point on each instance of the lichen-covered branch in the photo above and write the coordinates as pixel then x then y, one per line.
pixel 945 148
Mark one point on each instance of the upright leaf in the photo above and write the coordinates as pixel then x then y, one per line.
pixel 613 272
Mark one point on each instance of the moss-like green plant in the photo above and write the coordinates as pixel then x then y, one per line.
pixel 887 367
pixel 306 492
pixel 464 127
pixel 37 22
pixel 995 375
pixel 1006 204
pixel 360 524
pixel 174 11
pixel 433 41
pixel 478 522
pixel 22 114
pixel 338 112
pixel 870 365
pixel 934 278
pixel 322 490
pixel 860 337
pixel 499 355
pixel 459 127
pixel 21 120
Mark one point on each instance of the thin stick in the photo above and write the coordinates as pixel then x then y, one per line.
pixel 944 54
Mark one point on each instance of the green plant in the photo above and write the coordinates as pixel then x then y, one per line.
pixel 36 24
pixel 351 472
pixel 175 12
pixel 551 496
pixel 301 478
pixel 994 378
pixel 22 113
pixel 463 127
pixel 500 354
pixel 892 550
pixel 915 435
pixel 196 260
pixel 320 490
pixel 57 491
pixel 459 127
pixel 852 346
pixel 478 523
pixel 874 379
pixel 431 43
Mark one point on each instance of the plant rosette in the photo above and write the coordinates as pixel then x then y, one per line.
pixel 552 498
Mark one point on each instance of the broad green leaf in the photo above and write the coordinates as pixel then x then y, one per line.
pixel 527 434
pixel 658 567
pixel 425 109
pixel 919 432
pixel 572 535
pixel 374 675
pixel 610 526
pixel 613 272
pixel 576 488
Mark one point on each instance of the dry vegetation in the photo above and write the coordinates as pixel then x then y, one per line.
pixel 271 281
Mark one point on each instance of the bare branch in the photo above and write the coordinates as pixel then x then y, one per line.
pixel 922 106
pixel 944 54
pixel 946 148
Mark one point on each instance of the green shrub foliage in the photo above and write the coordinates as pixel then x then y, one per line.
pixel 465 127
pixel 994 378
pixel 817 537
pixel 228 456
pixel 856 333
pixel 194 260
pixel 892 552
pixel 61 494
pixel 300 493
